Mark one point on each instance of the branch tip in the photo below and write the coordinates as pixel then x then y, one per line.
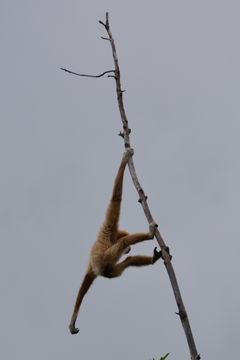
pixel 102 23
pixel 106 25
pixel 107 21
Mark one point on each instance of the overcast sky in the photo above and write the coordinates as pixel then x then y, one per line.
pixel 59 154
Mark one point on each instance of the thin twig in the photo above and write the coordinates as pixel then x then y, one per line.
pixel 143 200
pixel 92 76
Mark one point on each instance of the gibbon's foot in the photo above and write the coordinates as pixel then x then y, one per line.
pixel 156 255
pixel 127 154
pixel 73 329
pixel 152 228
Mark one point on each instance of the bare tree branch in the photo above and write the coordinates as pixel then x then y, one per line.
pixel 92 76
pixel 142 197
pixel 143 200
pixel 104 38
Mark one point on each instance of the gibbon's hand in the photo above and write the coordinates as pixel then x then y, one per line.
pixel 152 228
pixel 73 329
pixel 156 254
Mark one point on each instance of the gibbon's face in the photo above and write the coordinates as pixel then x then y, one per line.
pixel 127 250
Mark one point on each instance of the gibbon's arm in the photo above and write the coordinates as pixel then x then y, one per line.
pixel 87 282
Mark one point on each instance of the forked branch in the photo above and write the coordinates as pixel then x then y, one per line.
pixel 125 134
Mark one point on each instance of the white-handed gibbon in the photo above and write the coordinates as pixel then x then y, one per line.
pixel 112 243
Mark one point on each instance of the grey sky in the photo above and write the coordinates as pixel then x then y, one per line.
pixel 59 154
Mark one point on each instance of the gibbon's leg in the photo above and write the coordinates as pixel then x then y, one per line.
pixel 139 260
pixel 113 211
pixel 131 239
pixel 87 282
pixel 113 254
pixel 121 233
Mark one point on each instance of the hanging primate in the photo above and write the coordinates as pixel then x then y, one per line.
pixel 112 243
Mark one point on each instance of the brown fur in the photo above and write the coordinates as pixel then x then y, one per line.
pixel 111 244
